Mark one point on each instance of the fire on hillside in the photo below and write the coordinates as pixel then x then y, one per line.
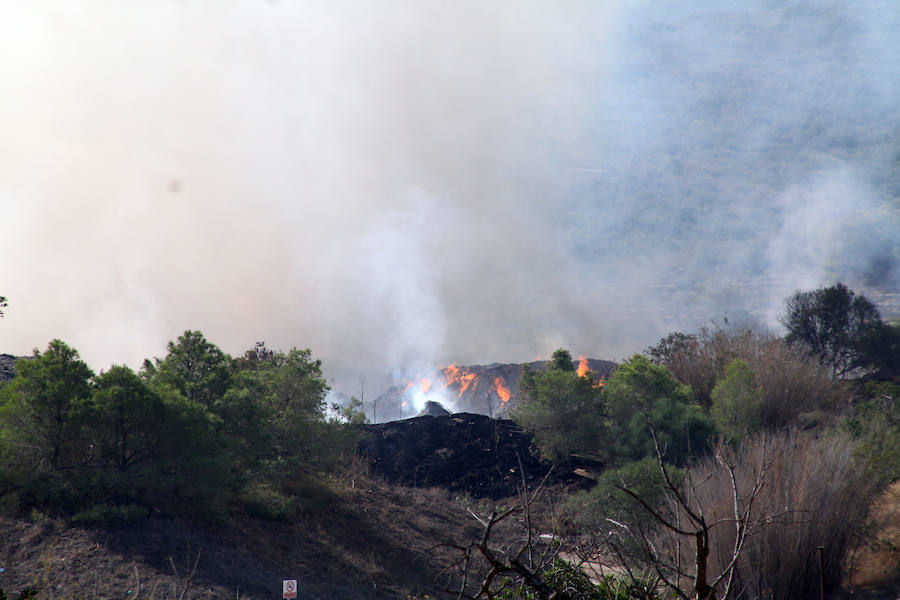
pixel 484 389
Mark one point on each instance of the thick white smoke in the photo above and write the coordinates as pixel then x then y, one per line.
pixel 416 183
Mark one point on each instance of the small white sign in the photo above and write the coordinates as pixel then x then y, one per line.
pixel 289 588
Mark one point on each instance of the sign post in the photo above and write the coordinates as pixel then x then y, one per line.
pixel 289 588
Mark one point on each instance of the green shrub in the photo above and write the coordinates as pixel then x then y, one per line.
pixel 641 395
pixel 737 401
pixel 265 501
pixel 876 427
pixel 563 410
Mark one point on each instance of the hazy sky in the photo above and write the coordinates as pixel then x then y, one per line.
pixel 404 182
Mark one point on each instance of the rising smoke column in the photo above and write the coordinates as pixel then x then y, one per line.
pixel 418 184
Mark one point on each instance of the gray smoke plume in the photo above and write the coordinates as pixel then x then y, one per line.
pixel 415 183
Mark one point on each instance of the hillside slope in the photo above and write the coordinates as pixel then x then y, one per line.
pixel 362 540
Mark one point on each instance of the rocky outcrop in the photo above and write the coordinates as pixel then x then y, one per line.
pixel 7 367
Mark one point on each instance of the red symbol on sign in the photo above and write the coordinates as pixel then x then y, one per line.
pixel 290 586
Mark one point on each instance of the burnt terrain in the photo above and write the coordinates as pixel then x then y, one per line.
pixel 465 453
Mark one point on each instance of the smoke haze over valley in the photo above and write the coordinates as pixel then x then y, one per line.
pixel 411 184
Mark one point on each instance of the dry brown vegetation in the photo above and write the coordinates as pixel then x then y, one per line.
pixel 757 520
pixel 796 389
pixel 813 495
pixel 878 560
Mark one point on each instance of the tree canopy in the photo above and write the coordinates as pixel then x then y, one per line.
pixel 569 414
pixel 831 322
pixel 192 433
pixel 563 410
pixel 641 395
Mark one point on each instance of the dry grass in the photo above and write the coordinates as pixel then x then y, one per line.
pixel 815 495
pixel 782 497
pixel 877 562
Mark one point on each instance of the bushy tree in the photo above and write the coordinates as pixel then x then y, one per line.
pixel 737 401
pixel 151 447
pixel 562 410
pixel 640 395
pixel 674 350
pixel 198 369
pixel 562 360
pixel 606 500
pixel 879 351
pixel 126 417
pixel 37 406
pixel 194 431
pixel 41 440
pixel 830 322
pixel 3 304
pixel 196 461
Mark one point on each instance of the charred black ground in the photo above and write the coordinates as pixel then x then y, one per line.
pixel 464 452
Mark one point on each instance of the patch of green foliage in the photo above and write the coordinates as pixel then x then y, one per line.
pixel 641 396
pixel 608 499
pixel 568 581
pixel 876 426
pixel 112 515
pixel 737 401
pixel 564 411
pixel 188 435
pixel 569 414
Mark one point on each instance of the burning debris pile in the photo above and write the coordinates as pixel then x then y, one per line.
pixel 463 452
pixel 484 389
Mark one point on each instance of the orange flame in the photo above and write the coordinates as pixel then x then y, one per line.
pixel 583 368
pixel 450 374
pixel 502 391
pixel 426 385
pixel 463 379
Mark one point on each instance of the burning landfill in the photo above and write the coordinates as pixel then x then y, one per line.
pixel 484 389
